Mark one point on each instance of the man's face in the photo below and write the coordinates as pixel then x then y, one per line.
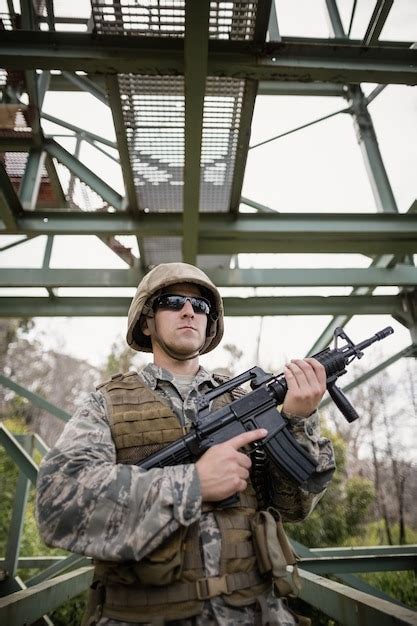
pixel 183 331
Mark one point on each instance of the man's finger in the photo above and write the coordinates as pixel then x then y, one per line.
pixel 243 439
pixel 319 370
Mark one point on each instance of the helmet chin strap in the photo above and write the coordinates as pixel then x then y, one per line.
pixel 178 356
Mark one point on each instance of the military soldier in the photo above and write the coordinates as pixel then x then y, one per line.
pixel 164 552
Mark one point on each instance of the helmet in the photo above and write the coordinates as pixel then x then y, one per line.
pixel 153 283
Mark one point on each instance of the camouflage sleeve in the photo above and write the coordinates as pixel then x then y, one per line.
pixel 88 504
pixel 294 502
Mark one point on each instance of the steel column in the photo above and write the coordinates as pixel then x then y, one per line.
pixel 195 71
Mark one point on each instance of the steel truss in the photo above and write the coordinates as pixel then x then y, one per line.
pixel 195 67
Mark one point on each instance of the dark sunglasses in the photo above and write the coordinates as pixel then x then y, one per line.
pixel 173 302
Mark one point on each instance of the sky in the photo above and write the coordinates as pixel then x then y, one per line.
pixel 318 169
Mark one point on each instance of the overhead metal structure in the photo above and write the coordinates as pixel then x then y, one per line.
pixel 181 81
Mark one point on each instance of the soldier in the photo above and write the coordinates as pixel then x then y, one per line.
pixel 164 552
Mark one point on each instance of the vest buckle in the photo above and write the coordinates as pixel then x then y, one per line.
pixel 211 587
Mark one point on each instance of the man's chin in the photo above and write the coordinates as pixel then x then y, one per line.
pixel 185 348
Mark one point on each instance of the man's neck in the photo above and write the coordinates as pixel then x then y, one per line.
pixel 189 367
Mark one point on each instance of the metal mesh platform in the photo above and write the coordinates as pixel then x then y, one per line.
pixel 153 111
pixel 228 20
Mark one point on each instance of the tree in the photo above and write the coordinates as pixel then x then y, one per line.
pixel 121 358
pixel 376 442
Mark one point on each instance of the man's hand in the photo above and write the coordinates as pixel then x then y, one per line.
pixel 306 381
pixel 223 470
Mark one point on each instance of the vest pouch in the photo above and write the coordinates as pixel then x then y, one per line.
pixel 163 565
pixel 273 552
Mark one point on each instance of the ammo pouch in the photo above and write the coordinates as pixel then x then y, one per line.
pixel 274 552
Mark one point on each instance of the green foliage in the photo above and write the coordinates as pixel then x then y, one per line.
pixel 400 585
pixel 121 359
pixel 360 493
pixel 70 613
pixel 373 534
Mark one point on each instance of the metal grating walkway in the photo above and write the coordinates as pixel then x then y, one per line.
pixel 228 20
pixel 153 113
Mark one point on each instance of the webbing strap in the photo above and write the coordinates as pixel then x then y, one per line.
pixel 202 589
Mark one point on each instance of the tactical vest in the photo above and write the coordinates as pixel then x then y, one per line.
pixel 170 581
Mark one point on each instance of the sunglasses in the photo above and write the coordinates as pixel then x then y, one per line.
pixel 173 302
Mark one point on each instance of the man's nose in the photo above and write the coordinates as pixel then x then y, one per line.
pixel 187 309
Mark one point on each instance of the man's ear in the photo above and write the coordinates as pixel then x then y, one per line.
pixel 144 326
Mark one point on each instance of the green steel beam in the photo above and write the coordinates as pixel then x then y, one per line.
pixel 242 149
pixel 37 87
pixel 85 84
pixel 47 254
pixel 50 14
pixel 35 562
pixel 292 59
pixel 10 205
pixel 401 275
pixel 273 28
pixel 28 605
pixel 302 127
pixel 351 607
pixel 348 579
pixel 368 142
pixel 19 455
pixel 118 306
pixel 256 205
pixel 265 13
pixel 409 351
pixel 19 506
pixel 195 71
pixel 55 181
pixel 265 88
pixel 40 445
pixel 84 173
pixel 294 88
pixel 335 21
pixel 60 567
pixel 15 243
pixel 363 563
pixel 115 102
pixel 34 398
pixel 376 24
pixel 220 233
pixel 366 550
pixel 31 179
pixel 131 200
pixel 79 131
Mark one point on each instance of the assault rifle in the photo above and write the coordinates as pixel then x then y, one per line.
pixel 258 409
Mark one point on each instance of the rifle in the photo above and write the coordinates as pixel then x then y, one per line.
pixel 258 409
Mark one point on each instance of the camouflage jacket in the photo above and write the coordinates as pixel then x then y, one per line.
pixel 88 504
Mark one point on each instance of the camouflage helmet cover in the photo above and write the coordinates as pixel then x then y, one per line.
pixel 161 277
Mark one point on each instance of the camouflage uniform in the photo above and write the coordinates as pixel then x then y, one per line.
pixel 90 505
